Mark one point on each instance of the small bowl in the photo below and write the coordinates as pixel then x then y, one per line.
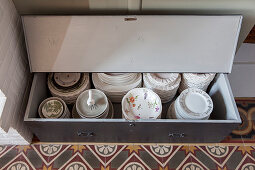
pixel 141 103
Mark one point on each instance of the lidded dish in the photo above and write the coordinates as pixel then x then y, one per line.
pixel 92 104
pixel 196 80
pixel 192 103
pixel 164 84
pixel 53 108
pixel 109 116
pixel 116 85
pixel 141 103
pixel 68 86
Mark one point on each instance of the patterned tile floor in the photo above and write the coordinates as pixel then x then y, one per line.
pixel 236 152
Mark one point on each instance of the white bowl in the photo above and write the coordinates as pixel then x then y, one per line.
pixel 141 103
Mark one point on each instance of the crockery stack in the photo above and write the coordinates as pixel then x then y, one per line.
pixel 109 116
pixel 53 108
pixel 192 103
pixel 164 84
pixel 141 103
pixel 196 80
pixel 68 86
pixel 93 104
pixel 116 85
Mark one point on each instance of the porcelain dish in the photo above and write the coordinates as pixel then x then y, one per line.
pixel 68 86
pixel 196 80
pixel 99 110
pixel 116 85
pixel 165 85
pixel 192 103
pixel 141 103
pixel 110 115
pixel 53 108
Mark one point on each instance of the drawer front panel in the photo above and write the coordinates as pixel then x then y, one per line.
pixel 130 132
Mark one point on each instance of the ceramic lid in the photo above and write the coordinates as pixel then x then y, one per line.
pixel 142 43
pixel 100 107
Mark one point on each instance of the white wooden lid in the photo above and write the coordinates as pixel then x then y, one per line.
pixel 166 43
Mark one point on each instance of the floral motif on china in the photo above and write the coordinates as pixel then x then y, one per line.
pixel 131 100
pixel 248 166
pixel 161 150
pixel 217 151
pixel 192 166
pixel 2 148
pixel 50 150
pixel 134 166
pixel 153 105
pixel 18 166
pixel 76 166
pixel 105 150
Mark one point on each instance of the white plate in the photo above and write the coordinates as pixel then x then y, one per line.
pixel 194 104
pixel 113 88
pixel 67 79
pixel 158 80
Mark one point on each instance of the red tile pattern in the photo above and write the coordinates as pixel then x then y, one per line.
pixel 238 155
pixel 128 157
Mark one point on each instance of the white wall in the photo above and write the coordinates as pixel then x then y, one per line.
pixel 242 78
pixel 14 71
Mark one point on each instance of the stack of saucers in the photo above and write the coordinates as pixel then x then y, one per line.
pixel 196 80
pixel 53 108
pixel 109 116
pixel 98 109
pixel 192 103
pixel 68 86
pixel 116 85
pixel 164 84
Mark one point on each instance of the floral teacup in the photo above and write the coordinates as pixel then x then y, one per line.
pixel 141 103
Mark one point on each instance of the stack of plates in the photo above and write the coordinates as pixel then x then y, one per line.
pixel 68 86
pixel 109 116
pixel 53 108
pixel 196 80
pixel 164 84
pixel 99 110
pixel 116 85
pixel 191 104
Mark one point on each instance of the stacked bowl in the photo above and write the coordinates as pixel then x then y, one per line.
pixel 53 108
pixel 164 84
pixel 68 86
pixel 116 85
pixel 196 80
pixel 101 108
pixel 141 103
pixel 192 103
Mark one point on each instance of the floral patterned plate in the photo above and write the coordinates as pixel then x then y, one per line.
pixel 141 103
